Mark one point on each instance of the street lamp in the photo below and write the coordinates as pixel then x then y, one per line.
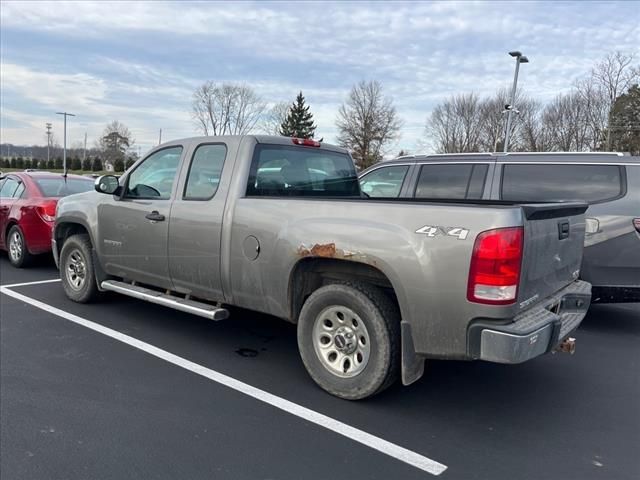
pixel 510 108
pixel 64 152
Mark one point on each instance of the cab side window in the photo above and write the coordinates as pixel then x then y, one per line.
pixel 154 177
pixel 205 172
pixel 452 181
pixel 9 187
pixel 385 181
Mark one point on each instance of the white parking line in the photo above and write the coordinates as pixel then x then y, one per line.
pixel 25 284
pixel 391 449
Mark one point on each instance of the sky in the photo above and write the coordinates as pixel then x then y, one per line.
pixel 140 62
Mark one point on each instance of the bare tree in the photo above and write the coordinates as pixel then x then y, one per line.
pixel 115 140
pixel 226 109
pixel 456 124
pixel 367 123
pixel 275 117
pixel 533 134
pixel 609 79
pixel 565 121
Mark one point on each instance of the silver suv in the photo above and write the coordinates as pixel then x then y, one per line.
pixel 609 182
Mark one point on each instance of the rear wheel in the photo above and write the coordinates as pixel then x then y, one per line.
pixel 349 339
pixel 19 255
pixel 77 271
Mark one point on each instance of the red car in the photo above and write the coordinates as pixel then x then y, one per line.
pixel 28 209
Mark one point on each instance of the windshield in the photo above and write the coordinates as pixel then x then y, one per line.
pixel 59 187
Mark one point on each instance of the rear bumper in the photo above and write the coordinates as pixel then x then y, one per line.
pixel 534 332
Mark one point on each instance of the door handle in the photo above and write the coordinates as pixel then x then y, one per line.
pixel 154 216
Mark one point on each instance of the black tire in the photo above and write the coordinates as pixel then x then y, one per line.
pixel 381 318
pixel 19 255
pixel 76 252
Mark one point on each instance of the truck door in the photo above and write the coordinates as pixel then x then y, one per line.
pixel 195 226
pixel 133 230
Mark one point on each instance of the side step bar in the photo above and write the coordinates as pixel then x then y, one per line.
pixel 184 305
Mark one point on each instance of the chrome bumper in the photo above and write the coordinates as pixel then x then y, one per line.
pixel 534 332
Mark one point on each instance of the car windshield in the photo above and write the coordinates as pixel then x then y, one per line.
pixel 61 187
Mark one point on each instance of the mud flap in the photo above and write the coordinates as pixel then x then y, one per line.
pixel 412 364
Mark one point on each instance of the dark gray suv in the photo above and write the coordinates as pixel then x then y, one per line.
pixel 609 182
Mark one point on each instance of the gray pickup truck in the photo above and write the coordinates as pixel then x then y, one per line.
pixel 375 286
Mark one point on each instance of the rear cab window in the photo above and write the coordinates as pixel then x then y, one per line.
pixel 451 181
pixel 555 182
pixel 297 171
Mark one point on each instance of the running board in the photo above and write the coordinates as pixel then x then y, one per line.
pixel 184 305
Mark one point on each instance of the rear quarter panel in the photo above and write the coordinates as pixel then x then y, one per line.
pixel 429 274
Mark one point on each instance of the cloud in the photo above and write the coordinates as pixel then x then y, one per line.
pixel 139 62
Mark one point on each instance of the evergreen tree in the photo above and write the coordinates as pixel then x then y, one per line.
pixel 118 165
pixel 27 163
pixel 299 121
pixel 96 165
pixel 58 164
pixel 20 162
pixel 51 164
pixel 12 162
pixel 129 163
pixel 625 122
pixel 76 164
pixel 86 164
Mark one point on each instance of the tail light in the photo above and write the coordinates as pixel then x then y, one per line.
pixel 307 142
pixel 47 211
pixel 636 223
pixel 496 262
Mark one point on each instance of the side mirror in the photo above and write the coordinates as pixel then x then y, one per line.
pixel 107 184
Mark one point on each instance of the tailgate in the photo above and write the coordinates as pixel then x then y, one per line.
pixel 553 244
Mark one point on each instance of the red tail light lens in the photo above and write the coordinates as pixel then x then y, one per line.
pixel 496 261
pixel 307 142
pixel 47 211
pixel 636 223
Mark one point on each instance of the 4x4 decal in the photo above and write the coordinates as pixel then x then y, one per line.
pixel 432 231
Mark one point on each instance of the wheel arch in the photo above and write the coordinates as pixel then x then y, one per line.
pixel 310 273
pixel 64 229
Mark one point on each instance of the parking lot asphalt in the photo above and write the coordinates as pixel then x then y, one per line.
pixel 75 403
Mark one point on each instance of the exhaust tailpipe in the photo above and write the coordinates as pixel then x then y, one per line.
pixel 567 346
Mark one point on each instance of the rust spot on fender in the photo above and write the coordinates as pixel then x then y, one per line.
pixel 325 250
pixel 329 250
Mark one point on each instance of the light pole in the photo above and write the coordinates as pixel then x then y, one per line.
pixel 510 107
pixel 64 152
pixel 48 142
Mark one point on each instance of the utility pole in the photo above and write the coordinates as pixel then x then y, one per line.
pixel 160 137
pixel 64 152
pixel 48 140
pixel 510 108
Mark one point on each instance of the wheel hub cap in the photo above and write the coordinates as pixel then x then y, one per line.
pixel 75 270
pixel 341 341
pixel 15 246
